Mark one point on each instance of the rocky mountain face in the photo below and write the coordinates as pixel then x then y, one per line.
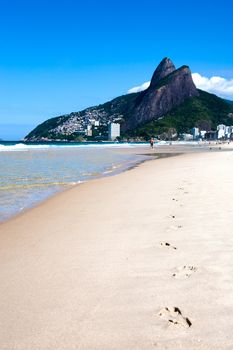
pixel 165 68
pixel 170 88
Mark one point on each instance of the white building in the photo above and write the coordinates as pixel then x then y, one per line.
pixel 225 132
pixel 113 131
pixel 202 133
pixel 221 131
pixel 195 132
pixel 186 137
pixel 221 127
pixel 228 132
pixel 89 130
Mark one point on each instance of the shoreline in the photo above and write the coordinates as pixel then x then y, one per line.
pixel 94 266
pixel 115 171
pixel 128 167
pixel 117 165
pixel 159 151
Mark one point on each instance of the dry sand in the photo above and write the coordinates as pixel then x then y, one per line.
pixel 142 260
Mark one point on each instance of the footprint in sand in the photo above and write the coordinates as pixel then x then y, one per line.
pixel 184 271
pixel 167 245
pixel 174 316
pixel 173 228
pixel 170 216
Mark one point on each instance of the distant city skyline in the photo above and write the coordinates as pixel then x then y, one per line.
pixel 64 56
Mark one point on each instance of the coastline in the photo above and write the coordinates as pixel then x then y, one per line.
pixel 115 172
pixel 159 151
pixel 86 269
pixel 36 174
pixel 135 157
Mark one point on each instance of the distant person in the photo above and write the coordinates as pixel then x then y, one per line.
pixel 152 142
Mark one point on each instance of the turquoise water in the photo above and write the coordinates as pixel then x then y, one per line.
pixel 32 173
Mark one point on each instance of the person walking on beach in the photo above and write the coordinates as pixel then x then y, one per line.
pixel 152 142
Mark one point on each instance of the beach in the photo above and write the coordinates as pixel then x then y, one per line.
pixel 140 260
pixel 30 173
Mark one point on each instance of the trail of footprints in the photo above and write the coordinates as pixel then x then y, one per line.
pixel 173 228
pixel 173 315
pixel 184 271
pixel 167 245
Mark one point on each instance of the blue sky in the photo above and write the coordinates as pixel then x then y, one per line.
pixel 62 56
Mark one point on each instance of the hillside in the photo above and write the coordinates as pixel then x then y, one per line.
pixel 197 111
pixel 71 126
pixel 228 101
pixel 168 89
pixel 171 101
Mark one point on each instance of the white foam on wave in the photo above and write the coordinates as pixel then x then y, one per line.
pixel 24 147
pixel 184 142
pixel 21 147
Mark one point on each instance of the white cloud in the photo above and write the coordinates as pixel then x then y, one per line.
pixel 216 85
pixel 139 88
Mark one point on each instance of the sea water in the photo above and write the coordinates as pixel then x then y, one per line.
pixel 30 173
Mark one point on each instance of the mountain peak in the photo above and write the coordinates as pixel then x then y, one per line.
pixel 170 89
pixel 165 68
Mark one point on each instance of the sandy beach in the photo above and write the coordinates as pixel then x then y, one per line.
pixel 141 260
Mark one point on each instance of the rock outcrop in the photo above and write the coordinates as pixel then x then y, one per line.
pixel 169 88
pixel 171 94
pixel 165 68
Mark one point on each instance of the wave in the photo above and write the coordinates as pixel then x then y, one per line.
pixel 21 147
pixel 38 185
pixel 29 147
pixel 25 147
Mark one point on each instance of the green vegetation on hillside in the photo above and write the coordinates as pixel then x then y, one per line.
pixel 121 106
pixel 205 111
pixel 228 101
pixel 192 112
pixel 42 129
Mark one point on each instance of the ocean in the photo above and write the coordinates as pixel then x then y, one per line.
pixel 30 173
